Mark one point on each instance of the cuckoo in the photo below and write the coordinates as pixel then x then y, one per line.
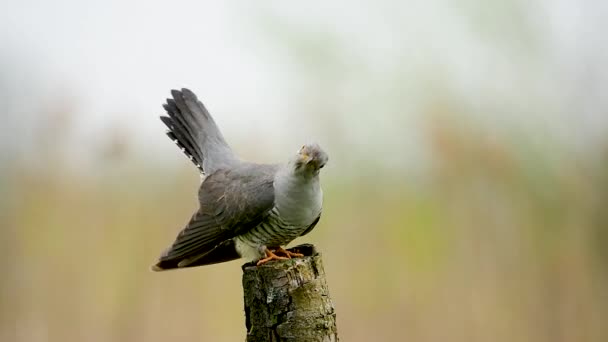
pixel 245 209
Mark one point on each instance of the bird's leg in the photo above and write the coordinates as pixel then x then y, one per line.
pixel 269 256
pixel 287 253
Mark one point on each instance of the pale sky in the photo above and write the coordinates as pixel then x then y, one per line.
pixel 118 60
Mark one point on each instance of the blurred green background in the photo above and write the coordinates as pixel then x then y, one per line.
pixel 465 197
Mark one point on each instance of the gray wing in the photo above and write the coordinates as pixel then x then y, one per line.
pixel 231 202
pixel 312 226
pixel 193 129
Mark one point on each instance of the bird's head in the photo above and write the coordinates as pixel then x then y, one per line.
pixel 310 159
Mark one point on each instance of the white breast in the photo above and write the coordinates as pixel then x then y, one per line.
pixel 298 200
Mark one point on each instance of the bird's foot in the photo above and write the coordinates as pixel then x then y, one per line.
pixel 288 254
pixel 270 256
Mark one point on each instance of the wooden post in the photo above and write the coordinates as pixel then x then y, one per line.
pixel 288 300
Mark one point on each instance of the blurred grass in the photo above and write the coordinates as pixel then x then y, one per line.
pixel 465 197
pixel 497 242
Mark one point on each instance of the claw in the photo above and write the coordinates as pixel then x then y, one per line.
pixel 270 256
pixel 288 254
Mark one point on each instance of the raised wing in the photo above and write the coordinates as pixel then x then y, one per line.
pixel 231 202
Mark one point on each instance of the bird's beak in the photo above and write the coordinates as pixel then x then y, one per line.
pixel 305 158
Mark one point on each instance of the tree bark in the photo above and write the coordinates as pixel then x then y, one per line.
pixel 288 300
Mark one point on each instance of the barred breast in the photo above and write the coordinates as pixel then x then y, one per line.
pixel 297 206
pixel 274 231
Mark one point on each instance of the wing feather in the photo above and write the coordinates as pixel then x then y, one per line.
pixel 231 202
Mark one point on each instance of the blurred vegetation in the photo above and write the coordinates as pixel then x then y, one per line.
pixel 497 244
pixel 464 227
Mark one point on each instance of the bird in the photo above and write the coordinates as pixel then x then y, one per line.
pixel 246 210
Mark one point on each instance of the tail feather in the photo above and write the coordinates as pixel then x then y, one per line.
pixel 195 132
pixel 180 136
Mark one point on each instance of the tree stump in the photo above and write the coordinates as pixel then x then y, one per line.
pixel 288 300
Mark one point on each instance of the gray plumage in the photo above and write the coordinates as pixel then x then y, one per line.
pixel 193 129
pixel 245 208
